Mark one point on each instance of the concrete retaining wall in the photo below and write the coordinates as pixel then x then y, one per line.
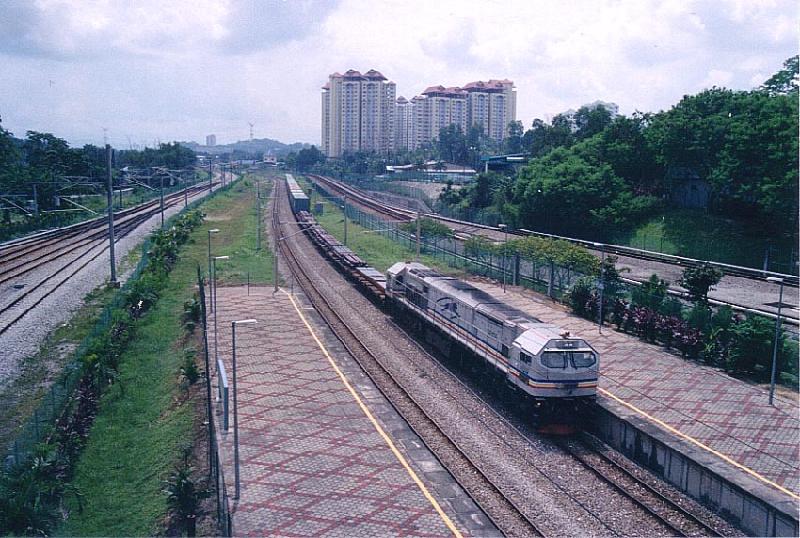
pixel 756 507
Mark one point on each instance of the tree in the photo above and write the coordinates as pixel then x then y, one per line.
pixel 785 81
pixel 698 281
pixel 513 141
pixel 751 351
pixel 11 173
pixel 308 157
pixel 428 228
pixel 590 121
pixel 651 293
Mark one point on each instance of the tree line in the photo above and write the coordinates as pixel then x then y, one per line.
pixel 592 174
pixel 43 159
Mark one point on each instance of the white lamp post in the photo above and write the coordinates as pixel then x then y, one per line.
pixel 212 231
pixel 236 404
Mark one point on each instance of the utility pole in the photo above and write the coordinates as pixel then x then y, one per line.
pixel 344 208
pixel 162 199
pixel 111 217
pixel 418 235
pixel 210 177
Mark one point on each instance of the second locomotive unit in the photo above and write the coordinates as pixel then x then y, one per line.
pixel 548 365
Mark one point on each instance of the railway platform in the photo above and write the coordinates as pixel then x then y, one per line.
pixel 322 453
pixel 723 424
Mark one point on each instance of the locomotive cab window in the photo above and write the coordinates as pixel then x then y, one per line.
pixel 504 350
pixel 582 359
pixel 560 359
pixel 524 358
pixel 554 359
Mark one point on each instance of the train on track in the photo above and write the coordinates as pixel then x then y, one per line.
pixel 557 372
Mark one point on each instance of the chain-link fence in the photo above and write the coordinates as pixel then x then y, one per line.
pixel 56 400
pixel 215 468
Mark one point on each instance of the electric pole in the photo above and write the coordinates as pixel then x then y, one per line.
pixel 111 217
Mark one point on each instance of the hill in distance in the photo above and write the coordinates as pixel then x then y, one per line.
pixel 258 146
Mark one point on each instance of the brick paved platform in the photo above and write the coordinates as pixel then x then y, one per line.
pixel 314 461
pixel 728 415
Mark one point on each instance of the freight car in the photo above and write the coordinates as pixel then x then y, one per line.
pixel 557 371
pixel 297 198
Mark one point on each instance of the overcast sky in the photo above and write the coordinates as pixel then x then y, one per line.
pixel 180 69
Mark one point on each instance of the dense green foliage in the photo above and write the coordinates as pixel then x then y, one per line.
pixel 44 159
pixel 428 228
pixel 594 176
pixel 31 491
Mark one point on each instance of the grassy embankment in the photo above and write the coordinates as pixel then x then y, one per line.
pixel 696 234
pixel 374 248
pixel 146 419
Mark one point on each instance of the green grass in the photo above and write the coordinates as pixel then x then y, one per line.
pixel 374 248
pixel 696 234
pixel 27 391
pixel 234 214
pixel 145 420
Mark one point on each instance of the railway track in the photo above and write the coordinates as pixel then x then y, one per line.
pixel 90 237
pixel 668 515
pixel 619 250
pixel 678 520
pixel 506 514
pixel 671 514
pixel 465 229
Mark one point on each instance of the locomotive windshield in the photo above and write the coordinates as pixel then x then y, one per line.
pixel 560 359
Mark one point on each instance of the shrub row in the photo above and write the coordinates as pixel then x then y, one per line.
pixel 32 491
pixel 742 345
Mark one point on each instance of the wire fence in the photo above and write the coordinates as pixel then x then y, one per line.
pixel 215 468
pixel 56 401
pixel 543 276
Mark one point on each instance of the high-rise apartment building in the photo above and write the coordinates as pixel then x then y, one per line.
pixel 211 140
pixel 403 124
pixel 360 113
pixel 357 113
pixel 492 105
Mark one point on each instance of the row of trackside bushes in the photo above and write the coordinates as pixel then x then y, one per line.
pixel 33 488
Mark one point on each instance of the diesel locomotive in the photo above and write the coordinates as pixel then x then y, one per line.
pixel 557 372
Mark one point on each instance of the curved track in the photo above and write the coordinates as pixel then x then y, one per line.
pixel 465 229
pixel 512 521
pixel 668 521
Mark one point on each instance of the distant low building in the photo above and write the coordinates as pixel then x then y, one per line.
pixel 435 171
pixel 211 140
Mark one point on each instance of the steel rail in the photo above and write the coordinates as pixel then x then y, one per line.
pixel 345 334
pixel 659 496
pixel 395 212
pixel 635 498
pixel 14 245
pixel 89 258
pixel 67 243
pixel 630 252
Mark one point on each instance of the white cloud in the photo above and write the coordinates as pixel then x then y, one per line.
pixel 185 68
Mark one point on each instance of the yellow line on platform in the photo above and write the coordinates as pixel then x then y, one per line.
pixel 378 428
pixel 694 441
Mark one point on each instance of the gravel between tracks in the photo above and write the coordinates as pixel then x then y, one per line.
pixel 25 337
pixel 567 501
